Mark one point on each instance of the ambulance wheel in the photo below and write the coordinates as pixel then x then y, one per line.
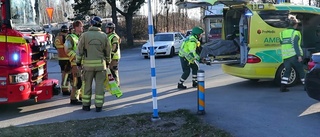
pixel 293 78
pixel 172 53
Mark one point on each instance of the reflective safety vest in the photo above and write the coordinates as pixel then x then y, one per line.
pixel 59 44
pixel 287 38
pixel 188 49
pixel 116 55
pixel 72 50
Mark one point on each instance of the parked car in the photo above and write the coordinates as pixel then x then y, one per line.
pixel 215 33
pixel 188 33
pixel 312 79
pixel 165 44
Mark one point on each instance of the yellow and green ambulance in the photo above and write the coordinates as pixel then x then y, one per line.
pixel 259 25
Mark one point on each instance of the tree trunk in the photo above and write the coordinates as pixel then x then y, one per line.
pixel 129 18
pixel 114 14
pixel 167 19
pixel 36 8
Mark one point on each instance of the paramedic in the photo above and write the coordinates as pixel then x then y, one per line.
pixel 71 47
pixel 189 57
pixel 291 52
pixel 94 54
pixel 63 59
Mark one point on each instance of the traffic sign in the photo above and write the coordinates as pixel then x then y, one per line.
pixel 50 12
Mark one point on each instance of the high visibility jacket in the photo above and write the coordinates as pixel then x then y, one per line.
pixel 59 44
pixel 188 49
pixel 287 38
pixel 115 39
pixel 94 50
pixel 71 47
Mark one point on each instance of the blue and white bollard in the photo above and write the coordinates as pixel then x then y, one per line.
pixel 201 92
pixel 155 115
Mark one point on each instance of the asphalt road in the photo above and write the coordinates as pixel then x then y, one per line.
pixel 239 106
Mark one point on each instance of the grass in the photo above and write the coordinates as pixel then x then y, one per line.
pixel 179 123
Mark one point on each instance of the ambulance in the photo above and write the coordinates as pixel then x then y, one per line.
pixel 259 26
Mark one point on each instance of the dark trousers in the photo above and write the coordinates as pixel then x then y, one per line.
pixel 186 66
pixel 293 62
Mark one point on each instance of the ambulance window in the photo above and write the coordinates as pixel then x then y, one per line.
pixel 275 18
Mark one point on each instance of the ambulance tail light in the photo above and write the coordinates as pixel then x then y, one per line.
pixel 253 59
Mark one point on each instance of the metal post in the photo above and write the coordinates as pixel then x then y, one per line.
pixel 201 92
pixel 152 64
pixel 49 23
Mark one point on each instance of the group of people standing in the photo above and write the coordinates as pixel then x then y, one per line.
pixel 86 56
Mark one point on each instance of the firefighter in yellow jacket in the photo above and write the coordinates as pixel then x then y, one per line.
pixel 71 48
pixel 63 59
pixel 94 53
pixel 115 50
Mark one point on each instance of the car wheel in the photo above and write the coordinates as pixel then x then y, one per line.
pixel 146 57
pixel 172 52
pixel 293 78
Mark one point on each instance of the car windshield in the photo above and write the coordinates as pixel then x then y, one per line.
pixel 27 15
pixel 163 37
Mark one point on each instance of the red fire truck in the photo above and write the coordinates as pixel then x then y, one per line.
pixel 23 53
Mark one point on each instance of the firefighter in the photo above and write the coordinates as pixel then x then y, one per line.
pixel 63 59
pixel 290 40
pixel 71 48
pixel 189 57
pixel 115 50
pixel 94 55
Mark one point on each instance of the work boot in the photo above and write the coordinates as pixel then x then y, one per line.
pixel 75 102
pixel 98 109
pixel 181 86
pixel 86 108
pixel 194 84
pixel 284 88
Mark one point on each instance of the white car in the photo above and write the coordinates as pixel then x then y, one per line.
pixel 165 44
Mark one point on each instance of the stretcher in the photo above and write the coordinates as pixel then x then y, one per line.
pixel 220 52
pixel 221 59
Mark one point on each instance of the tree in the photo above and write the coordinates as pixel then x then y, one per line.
pixel 130 7
pixel 113 5
pixel 81 8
